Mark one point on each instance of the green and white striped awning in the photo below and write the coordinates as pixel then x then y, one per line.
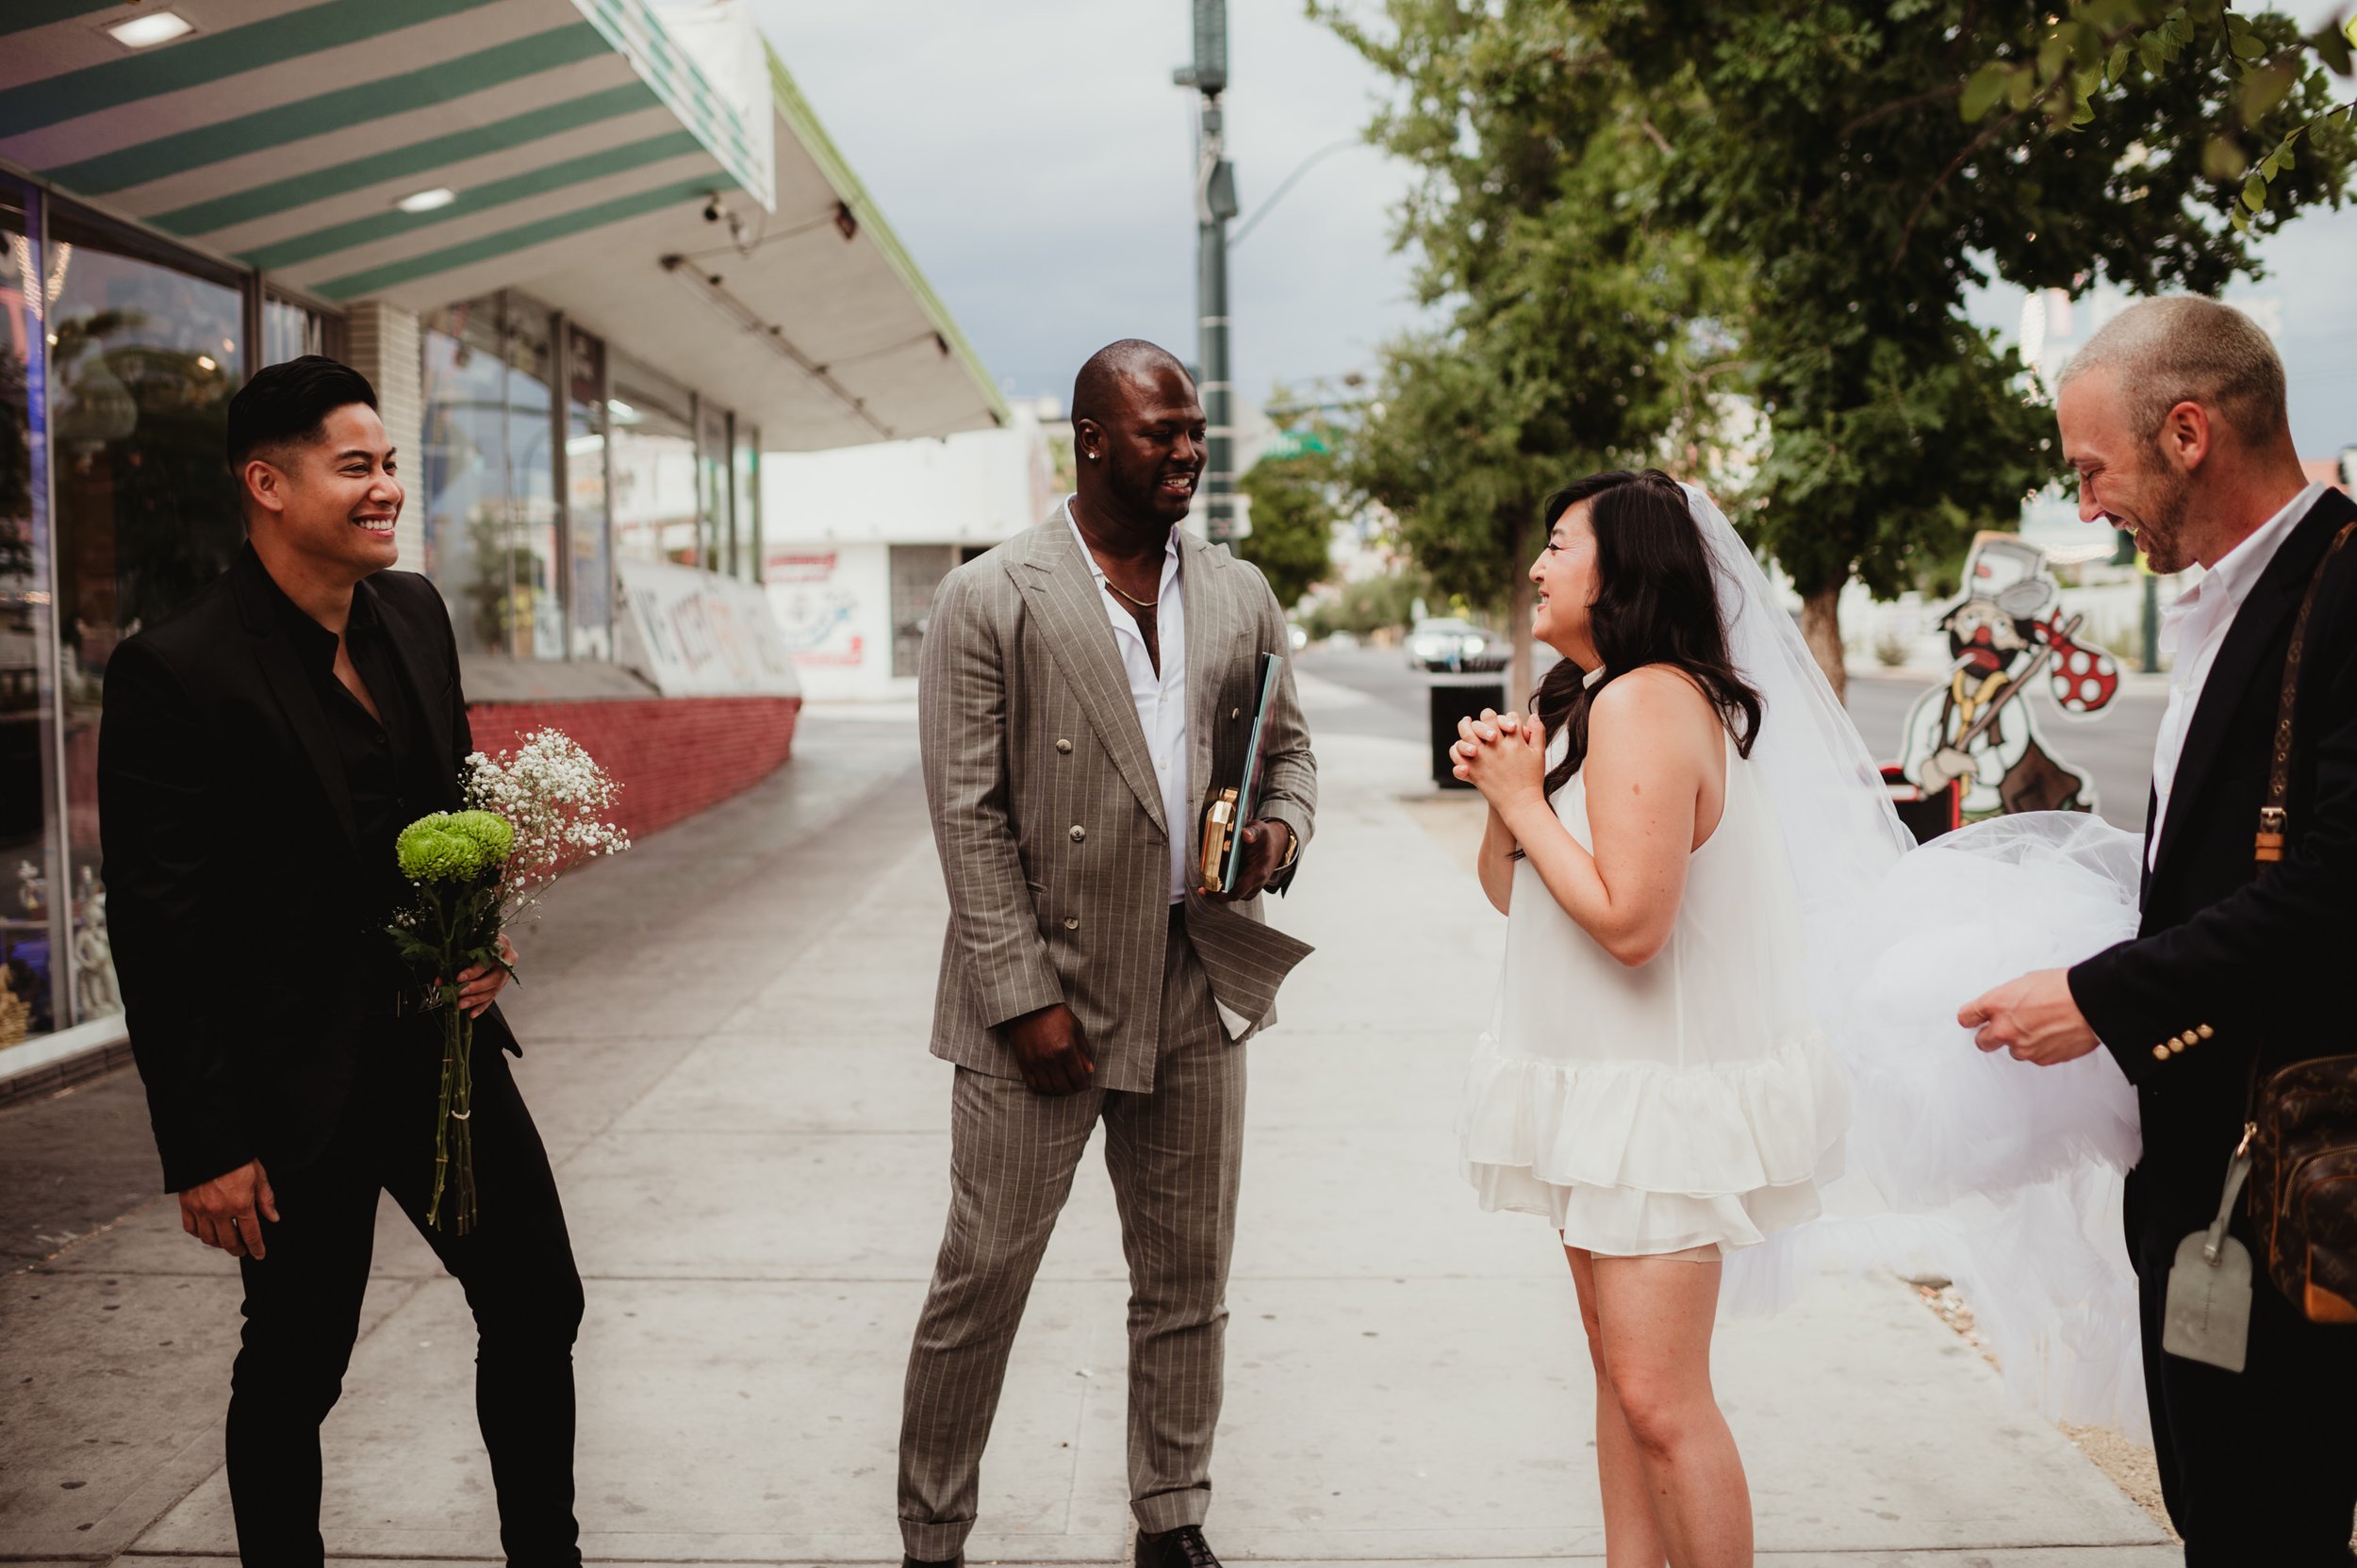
pixel 570 148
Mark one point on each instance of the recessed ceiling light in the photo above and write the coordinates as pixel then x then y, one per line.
pixel 145 32
pixel 426 201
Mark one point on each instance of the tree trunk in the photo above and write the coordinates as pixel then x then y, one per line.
pixel 1519 606
pixel 1820 628
pixel 1518 679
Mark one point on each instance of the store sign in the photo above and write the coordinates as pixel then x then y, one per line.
pixel 695 634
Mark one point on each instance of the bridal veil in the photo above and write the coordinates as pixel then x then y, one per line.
pixel 2001 1176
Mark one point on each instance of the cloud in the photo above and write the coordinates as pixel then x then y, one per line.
pixel 1039 164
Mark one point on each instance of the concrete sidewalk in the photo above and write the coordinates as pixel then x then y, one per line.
pixel 725 1052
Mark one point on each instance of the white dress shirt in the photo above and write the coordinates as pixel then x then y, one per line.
pixel 2194 629
pixel 1159 696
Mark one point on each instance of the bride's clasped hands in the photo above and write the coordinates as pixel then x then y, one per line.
pixel 1504 757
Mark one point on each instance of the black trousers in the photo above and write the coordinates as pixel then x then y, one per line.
pixel 303 1304
pixel 2258 1467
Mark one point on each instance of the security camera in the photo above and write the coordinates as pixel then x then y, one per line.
pixel 712 209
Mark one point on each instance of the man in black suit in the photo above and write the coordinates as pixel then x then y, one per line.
pixel 260 751
pixel 2174 416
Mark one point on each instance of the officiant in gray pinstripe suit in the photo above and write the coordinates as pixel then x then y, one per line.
pixel 1083 688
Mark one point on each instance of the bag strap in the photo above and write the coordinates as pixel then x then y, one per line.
pixel 2274 819
pixel 2237 1172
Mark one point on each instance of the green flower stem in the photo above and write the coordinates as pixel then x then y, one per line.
pixel 454 1120
pixel 464 930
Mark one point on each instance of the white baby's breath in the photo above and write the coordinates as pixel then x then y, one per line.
pixel 556 798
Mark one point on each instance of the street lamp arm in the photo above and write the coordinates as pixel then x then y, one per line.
pixel 1288 182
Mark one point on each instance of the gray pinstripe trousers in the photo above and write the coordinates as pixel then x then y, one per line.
pixel 1174 1153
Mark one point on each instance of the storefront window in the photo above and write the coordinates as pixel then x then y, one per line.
pixel 145 353
pixel 654 500
pixel 534 615
pixel 716 493
pixel 290 331
pixel 29 778
pixel 587 522
pixel 747 553
pixel 490 482
pixel 465 462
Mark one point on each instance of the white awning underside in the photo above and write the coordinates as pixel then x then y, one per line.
pixel 580 142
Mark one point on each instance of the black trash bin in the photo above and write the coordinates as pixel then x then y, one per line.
pixel 1451 701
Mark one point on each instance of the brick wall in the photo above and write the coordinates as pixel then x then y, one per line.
pixel 381 343
pixel 674 756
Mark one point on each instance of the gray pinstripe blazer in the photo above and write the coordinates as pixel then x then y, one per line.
pixel 1046 809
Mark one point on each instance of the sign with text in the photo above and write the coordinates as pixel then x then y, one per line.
pixel 695 634
pixel 815 607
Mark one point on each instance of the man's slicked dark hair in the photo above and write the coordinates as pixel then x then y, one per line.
pixel 1100 381
pixel 288 404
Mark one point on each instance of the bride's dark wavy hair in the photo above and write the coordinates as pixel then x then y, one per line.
pixel 1657 603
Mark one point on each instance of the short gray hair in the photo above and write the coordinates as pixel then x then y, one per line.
pixel 2189 349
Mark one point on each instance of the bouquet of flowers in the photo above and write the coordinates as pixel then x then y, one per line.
pixel 531 817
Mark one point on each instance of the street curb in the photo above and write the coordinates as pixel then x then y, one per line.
pixel 40 1067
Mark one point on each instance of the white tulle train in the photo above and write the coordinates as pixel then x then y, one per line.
pixel 2001 1175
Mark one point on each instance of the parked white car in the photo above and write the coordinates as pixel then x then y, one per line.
pixel 1451 644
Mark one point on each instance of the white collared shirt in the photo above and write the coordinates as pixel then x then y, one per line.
pixel 2194 629
pixel 1159 696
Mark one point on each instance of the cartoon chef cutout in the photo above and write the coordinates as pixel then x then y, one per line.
pixel 1977 727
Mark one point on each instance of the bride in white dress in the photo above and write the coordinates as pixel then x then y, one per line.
pixel 1655 1083
pixel 1721 946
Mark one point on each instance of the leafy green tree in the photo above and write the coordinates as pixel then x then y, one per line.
pixel 1293 518
pixel 1577 328
pixel 1363 609
pixel 2057 67
pixel 1820 146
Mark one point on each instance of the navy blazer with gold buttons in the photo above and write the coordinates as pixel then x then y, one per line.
pixel 2230 958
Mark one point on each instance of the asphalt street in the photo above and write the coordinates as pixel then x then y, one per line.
pixel 2115 747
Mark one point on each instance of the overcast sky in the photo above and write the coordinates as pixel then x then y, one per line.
pixel 1038 163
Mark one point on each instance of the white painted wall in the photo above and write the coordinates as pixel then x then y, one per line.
pixel 834 604
pixel 830 519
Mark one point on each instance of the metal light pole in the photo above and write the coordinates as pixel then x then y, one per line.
pixel 1214 204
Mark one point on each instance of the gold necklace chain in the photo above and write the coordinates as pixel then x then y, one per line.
pixel 1141 603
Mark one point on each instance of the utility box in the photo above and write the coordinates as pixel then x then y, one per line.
pixel 1451 701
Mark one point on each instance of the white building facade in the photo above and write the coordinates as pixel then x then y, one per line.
pixel 857 540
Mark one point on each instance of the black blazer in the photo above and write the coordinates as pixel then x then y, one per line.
pixel 2230 961
pixel 248 933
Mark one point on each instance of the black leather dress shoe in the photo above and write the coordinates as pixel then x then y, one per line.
pixel 1183 1547
pixel 958 1561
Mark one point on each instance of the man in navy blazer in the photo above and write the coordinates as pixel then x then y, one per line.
pixel 2174 416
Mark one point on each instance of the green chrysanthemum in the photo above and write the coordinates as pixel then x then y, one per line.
pixel 454 846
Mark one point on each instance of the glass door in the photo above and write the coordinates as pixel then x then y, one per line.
pixel 654 500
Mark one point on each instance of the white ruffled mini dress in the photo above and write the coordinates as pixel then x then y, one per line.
pixel 1689 1102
